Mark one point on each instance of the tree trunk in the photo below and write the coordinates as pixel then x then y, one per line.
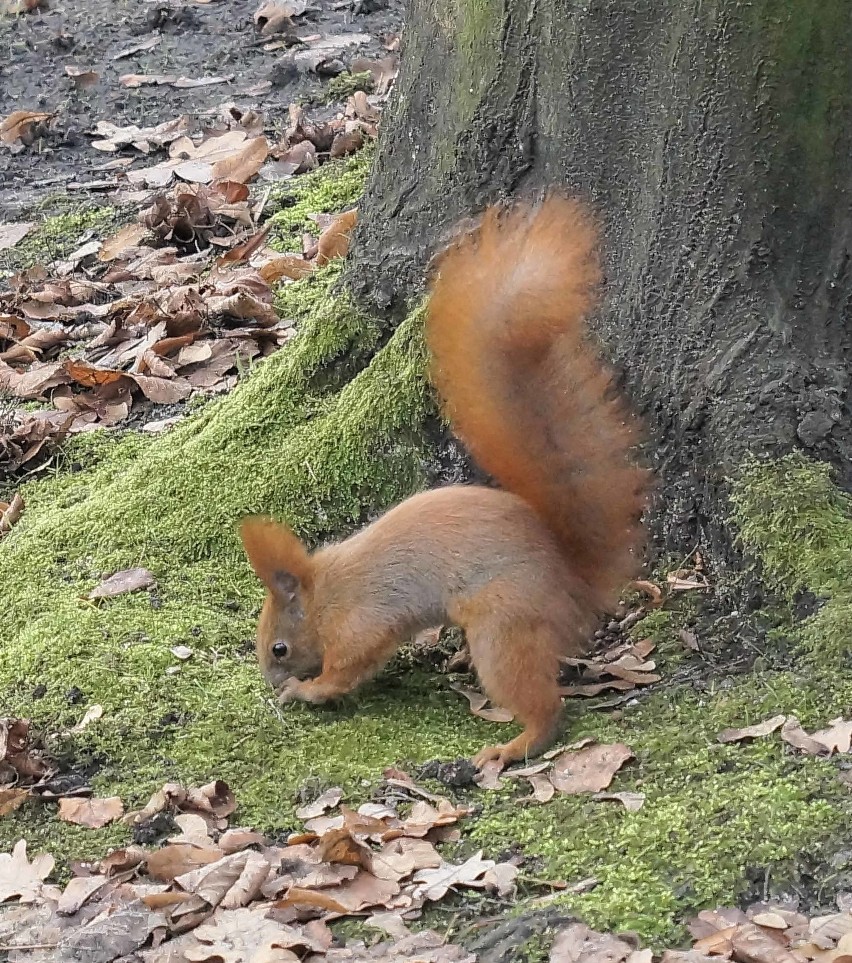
pixel 713 139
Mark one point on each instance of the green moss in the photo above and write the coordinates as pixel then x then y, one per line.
pixel 324 434
pixel 714 817
pixel 795 519
pixel 346 84
pixel 332 188
pixel 56 237
pixel 806 79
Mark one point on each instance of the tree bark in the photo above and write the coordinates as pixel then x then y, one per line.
pixel 712 138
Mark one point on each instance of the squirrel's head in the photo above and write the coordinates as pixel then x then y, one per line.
pixel 285 647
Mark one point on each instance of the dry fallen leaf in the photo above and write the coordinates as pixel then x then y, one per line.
pixel 579 944
pixel 334 240
pixel 10 513
pixel 20 878
pixel 752 732
pixel 78 891
pixel 478 701
pixel 128 237
pixel 838 737
pixel 129 580
pixel 19 126
pixel 632 801
pixel 92 714
pixel 91 813
pixel 434 884
pixel 328 800
pixel 794 735
pixel 590 769
pixel 82 77
pixel 12 799
pixel 11 233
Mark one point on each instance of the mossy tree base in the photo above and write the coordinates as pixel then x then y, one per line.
pixel 325 433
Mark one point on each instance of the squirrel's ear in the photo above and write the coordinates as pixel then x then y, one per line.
pixel 277 556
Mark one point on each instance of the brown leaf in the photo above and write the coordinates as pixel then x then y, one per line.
pixel 275 16
pixel 244 164
pixel 434 884
pixel 12 799
pixel 596 688
pixel 339 846
pixel 21 878
pixel 488 776
pixel 712 921
pixel 328 800
pixel 363 109
pixel 19 125
pixel 477 705
pixel 543 789
pixel 10 513
pixel 334 240
pixel 91 813
pixel 133 81
pixel 794 735
pixel 11 233
pixel 286 266
pixel 590 769
pixel 78 891
pixel 242 252
pixel 347 142
pixel 751 944
pixel 236 935
pixel 752 732
pixel 363 891
pixel 579 944
pixel 33 383
pixel 651 589
pixel 180 858
pixel 235 840
pixel 82 77
pixel 121 860
pixel 90 375
pixel 128 580
pixel 687 956
pixel 129 236
pixel 162 391
pixel 838 737
pixel 144 139
pixel 231 882
pixel 214 798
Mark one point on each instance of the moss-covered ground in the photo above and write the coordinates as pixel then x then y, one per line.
pixel 325 433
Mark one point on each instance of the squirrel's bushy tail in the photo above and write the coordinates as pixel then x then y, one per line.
pixel 527 392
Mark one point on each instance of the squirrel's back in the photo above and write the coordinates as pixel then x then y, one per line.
pixel 525 389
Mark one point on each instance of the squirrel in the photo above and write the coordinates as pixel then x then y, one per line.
pixel 526 570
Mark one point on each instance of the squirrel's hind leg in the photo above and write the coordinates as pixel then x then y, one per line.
pixel 517 664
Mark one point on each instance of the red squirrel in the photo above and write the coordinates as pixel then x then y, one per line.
pixel 527 570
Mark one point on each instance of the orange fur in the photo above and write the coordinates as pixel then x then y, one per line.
pixel 525 571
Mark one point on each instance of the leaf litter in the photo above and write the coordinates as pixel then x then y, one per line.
pixel 141 317
pixel 233 895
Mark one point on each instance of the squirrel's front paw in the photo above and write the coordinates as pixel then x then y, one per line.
pixel 291 691
pixel 305 690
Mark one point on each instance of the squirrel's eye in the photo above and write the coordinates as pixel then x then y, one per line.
pixel 280 650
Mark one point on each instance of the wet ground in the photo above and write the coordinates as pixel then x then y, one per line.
pixel 40 50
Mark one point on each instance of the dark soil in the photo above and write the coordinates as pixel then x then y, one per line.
pixel 219 38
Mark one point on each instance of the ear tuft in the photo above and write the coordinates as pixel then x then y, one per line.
pixel 277 556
